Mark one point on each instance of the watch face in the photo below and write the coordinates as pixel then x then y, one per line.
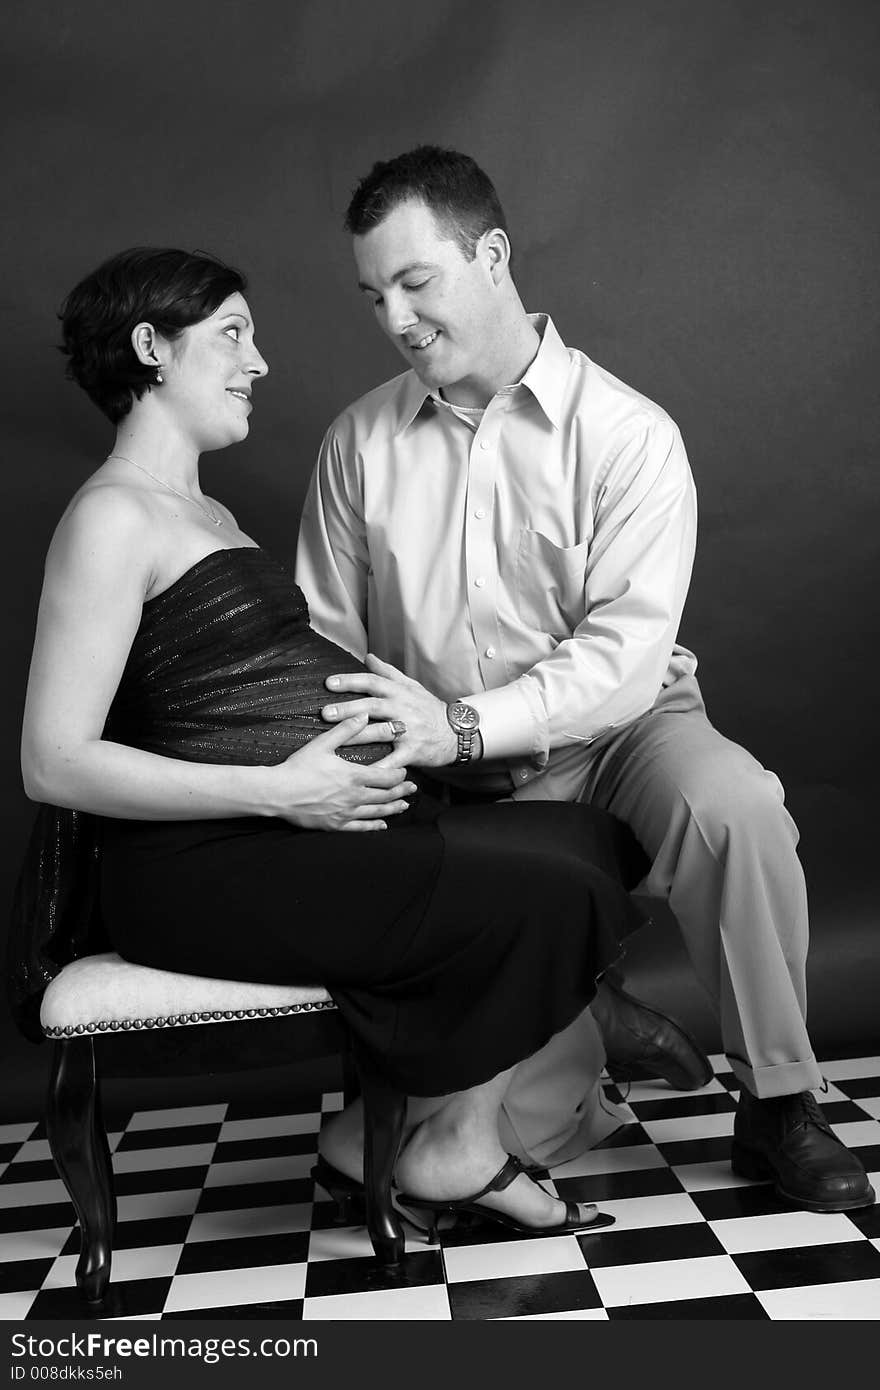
pixel 463 716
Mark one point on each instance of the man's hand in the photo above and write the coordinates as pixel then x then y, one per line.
pixel 390 695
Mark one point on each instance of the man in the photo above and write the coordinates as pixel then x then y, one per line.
pixel 510 530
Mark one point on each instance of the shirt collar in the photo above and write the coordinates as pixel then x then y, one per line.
pixel 545 378
pixel 546 375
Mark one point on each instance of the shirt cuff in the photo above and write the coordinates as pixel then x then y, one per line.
pixel 512 722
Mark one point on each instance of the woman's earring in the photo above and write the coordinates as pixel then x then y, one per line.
pixel 159 378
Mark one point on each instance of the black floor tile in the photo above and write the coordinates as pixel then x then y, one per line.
pixel 236 1196
pixel 125 1299
pixel 627 1137
pixel 18 1275
pixel 735 1306
pixel 867 1220
pixel 290 1309
pixel 260 1106
pixel 688 1241
pixel 136 1235
pixel 273 1146
pixel 523 1295
pixel 811 1264
pixel 610 1187
pixel 724 1204
pixel 42 1170
pixel 244 1252
pixel 168 1138
pixel 357 1275
pixel 160 1180
pixel 684 1107
pixel 859 1086
pixel 683 1151
pixel 41 1216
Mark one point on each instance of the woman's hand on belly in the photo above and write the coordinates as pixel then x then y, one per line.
pixel 317 790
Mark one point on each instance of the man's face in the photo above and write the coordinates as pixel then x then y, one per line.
pixel 437 307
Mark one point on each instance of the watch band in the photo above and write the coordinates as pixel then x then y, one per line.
pixel 464 720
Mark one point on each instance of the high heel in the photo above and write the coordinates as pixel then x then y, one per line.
pixel 434 1210
pixel 347 1193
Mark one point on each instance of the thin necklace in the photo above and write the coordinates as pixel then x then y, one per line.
pixel 216 520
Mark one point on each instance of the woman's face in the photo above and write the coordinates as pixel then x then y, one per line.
pixel 209 371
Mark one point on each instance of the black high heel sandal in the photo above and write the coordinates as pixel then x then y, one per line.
pixel 347 1193
pixel 434 1210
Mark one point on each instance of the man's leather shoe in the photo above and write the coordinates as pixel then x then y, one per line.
pixel 640 1041
pixel 788 1138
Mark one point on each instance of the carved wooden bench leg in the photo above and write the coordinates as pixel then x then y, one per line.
pixel 78 1142
pixel 384 1114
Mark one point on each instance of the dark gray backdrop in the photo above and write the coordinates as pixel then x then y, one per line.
pixel 692 191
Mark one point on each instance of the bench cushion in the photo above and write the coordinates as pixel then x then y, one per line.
pixel 104 993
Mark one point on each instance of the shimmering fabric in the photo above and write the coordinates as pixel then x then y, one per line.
pixel 225 668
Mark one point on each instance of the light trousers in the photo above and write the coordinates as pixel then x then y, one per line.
pixel 723 852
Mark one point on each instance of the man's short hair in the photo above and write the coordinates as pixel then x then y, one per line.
pixel 455 188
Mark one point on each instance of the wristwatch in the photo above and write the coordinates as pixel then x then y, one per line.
pixel 465 721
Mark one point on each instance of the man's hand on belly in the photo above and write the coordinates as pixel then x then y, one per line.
pixel 428 740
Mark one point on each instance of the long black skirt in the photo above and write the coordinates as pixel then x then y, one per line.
pixel 454 946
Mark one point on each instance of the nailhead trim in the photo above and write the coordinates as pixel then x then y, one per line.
pixel 125 1025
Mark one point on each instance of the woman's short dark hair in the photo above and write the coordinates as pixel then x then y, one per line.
pixel 168 288
pixel 455 188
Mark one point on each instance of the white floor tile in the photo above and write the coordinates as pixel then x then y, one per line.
pixel 333 1100
pixel 271 1125
pixel 179 1116
pixel 658 1090
pixel 17 1134
pixel 784 1230
pixel 353 1242
pixel 223 1287
pixel 3 1167
pixel 145 1206
pixel 594 1161
pixel 577 1315
pixel 282 1168
pixel 34 1245
pixel 636 1213
pixel 849 1067
pixel 146 1262
pixel 249 1221
pixel 15 1306
pixel 33 1151
pixel 509 1258
pixel 427 1302
pixel 871 1104
pixel 135 1317
pixel 833 1093
pixel 114 1140
pixel 32 1194
pixel 150 1160
pixel 850 1301
pixel 665 1281
pixel 858 1133
pixel 689 1127
pixel 708 1177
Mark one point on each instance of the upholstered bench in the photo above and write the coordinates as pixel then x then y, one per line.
pixel 108 1017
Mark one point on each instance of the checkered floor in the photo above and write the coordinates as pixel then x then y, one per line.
pixel 219 1218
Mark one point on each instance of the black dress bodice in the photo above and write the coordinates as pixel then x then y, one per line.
pixel 224 667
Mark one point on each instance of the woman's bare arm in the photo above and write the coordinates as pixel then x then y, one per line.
pixel 98 570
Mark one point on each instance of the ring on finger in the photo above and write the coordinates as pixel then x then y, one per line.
pixel 397 727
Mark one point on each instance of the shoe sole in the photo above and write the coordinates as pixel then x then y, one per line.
pixel 757 1169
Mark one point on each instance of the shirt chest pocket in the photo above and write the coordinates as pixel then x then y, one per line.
pixel 549 583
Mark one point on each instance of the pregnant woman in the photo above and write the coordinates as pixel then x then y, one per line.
pixel 172 733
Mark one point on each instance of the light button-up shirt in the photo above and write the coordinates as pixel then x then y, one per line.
pixel 533 561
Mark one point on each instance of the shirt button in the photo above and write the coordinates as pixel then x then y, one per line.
pixel 490 652
pixel 479 582
pixel 480 513
pixel 485 444
pixel 523 776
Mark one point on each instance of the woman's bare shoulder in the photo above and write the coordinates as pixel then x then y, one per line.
pixel 105 525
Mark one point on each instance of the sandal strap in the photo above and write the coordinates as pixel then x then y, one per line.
pixel 503 1178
